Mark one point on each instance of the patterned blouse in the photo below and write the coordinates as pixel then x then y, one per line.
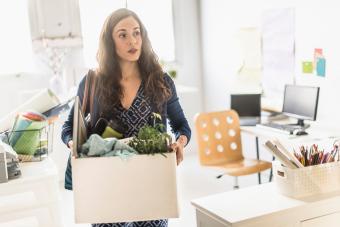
pixel 137 115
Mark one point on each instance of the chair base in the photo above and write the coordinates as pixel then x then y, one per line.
pixel 236 186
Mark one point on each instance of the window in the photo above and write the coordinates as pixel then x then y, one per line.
pixel 156 16
pixel 16 53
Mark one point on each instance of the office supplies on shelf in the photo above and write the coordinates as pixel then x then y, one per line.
pixel 31 136
pixel 304 155
pixel 41 102
pixel 308 181
pixel 26 133
pixel 315 156
pixel 3 167
pixel 55 111
pixel 9 163
pixel 290 155
pixel 281 156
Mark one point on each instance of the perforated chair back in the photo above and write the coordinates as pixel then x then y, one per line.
pixel 218 137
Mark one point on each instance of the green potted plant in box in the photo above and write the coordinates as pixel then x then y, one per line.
pixel 151 139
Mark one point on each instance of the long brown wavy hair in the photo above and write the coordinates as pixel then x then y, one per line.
pixel 109 72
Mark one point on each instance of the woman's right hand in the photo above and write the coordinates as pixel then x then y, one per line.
pixel 70 145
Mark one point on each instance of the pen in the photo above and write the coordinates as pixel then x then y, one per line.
pixel 307 157
pixel 320 157
pixel 313 155
pixel 316 158
pixel 325 158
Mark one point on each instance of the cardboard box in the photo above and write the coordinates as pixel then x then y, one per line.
pixel 110 189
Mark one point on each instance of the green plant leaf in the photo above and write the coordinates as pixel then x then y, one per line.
pixel 151 140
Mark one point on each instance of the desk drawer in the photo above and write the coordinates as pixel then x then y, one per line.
pixel 205 220
pixel 330 220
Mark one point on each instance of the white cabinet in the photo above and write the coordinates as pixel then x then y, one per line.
pixel 207 220
pixel 54 19
pixel 330 220
pixel 33 199
pixel 264 206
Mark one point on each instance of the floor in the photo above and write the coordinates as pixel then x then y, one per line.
pixel 194 181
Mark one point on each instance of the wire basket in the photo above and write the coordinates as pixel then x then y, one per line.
pixel 307 181
pixel 31 145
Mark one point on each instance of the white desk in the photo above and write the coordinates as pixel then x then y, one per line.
pixel 263 206
pixel 33 199
pixel 315 133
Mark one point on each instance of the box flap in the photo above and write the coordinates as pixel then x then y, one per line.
pixel 79 127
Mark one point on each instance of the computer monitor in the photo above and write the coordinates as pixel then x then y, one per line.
pixel 301 102
pixel 246 105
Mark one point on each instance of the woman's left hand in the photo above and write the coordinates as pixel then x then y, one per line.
pixel 178 147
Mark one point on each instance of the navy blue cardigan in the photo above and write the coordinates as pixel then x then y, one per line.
pixel 172 111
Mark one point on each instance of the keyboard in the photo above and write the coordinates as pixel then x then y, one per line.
pixel 280 127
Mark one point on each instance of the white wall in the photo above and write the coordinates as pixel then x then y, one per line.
pixel 221 21
pixel 316 24
pixel 188 58
pixel 316 27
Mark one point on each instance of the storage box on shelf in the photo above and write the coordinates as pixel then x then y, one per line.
pixel 31 145
pixel 307 181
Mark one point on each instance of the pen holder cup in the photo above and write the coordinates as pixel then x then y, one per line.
pixel 30 145
pixel 307 181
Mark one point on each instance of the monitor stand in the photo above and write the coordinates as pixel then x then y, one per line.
pixel 299 128
pixel 301 123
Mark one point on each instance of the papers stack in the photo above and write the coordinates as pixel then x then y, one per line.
pixel 282 154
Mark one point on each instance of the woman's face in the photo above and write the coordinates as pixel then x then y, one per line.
pixel 128 40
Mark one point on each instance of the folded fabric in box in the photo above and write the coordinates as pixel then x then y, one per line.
pixel 96 146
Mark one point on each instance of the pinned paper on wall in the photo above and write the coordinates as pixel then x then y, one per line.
pixel 307 67
pixel 317 53
pixel 321 67
pixel 318 65
pixel 278 49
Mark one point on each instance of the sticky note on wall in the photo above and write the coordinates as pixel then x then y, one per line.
pixel 321 67
pixel 307 67
pixel 318 52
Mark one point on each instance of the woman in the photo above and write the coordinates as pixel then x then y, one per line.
pixel 130 87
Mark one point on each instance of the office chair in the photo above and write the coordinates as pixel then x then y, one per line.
pixel 219 144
